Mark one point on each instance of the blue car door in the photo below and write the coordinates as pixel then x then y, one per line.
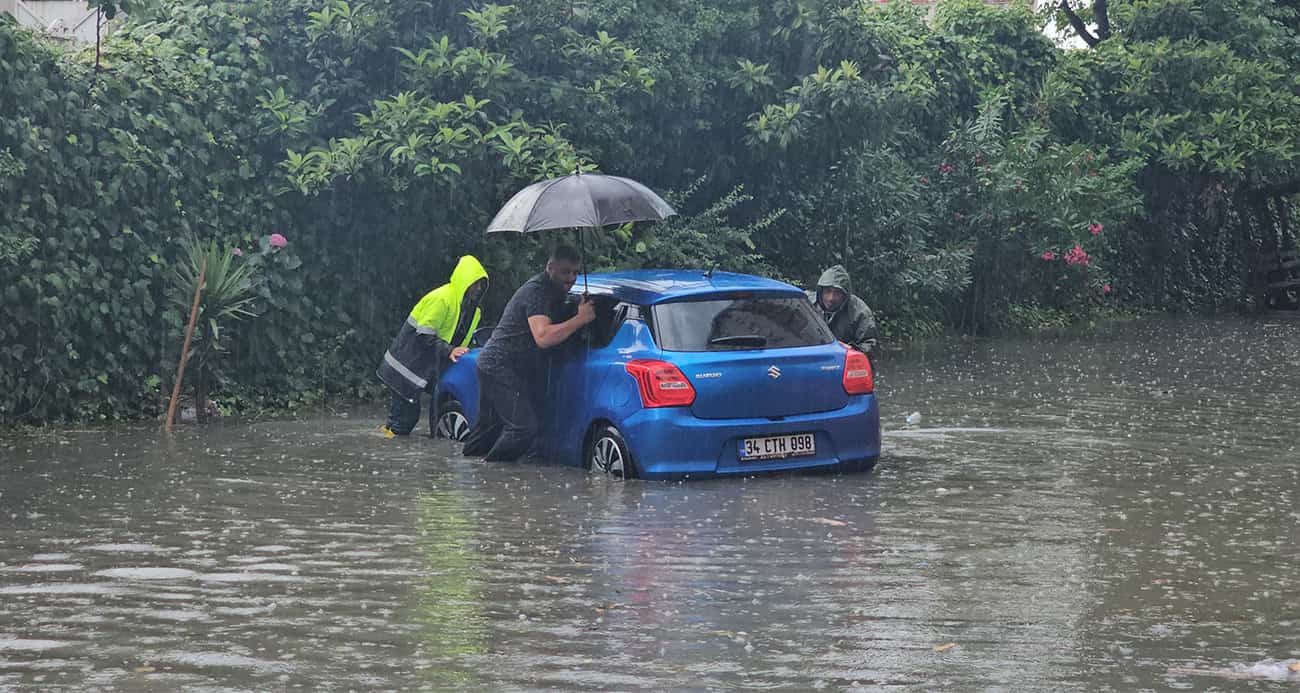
pixel 566 402
pixel 573 378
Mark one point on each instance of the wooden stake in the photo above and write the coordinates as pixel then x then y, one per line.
pixel 185 349
pixel 99 22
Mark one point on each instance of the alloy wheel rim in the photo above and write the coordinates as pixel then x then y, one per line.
pixel 608 457
pixel 453 425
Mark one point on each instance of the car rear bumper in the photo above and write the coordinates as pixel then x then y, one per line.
pixel 673 444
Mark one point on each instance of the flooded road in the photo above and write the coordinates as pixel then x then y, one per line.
pixel 1091 513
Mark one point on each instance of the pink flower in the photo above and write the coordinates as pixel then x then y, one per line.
pixel 924 180
pixel 278 241
pixel 1077 256
pixel 1095 228
pixel 945 168
pixel 1049 255
pixel 238 253
pixel 1105 288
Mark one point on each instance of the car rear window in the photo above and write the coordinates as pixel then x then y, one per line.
pixel 742 322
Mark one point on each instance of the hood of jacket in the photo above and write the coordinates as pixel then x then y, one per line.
pixel 836 277
pixel 468 271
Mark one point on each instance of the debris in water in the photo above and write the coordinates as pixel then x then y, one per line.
pixel 828 521
pixel 914 418
pixel 1265 670
pixel 945 647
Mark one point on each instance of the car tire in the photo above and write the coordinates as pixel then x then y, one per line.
pixel 609 455
pixel 452 424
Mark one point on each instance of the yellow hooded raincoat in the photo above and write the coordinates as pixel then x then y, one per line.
pixel 422 348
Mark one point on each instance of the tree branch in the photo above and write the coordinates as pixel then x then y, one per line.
pixel 1077 22
pixel 1101 14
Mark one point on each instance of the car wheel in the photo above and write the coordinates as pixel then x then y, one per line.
pixel 452 423
pixel 609 454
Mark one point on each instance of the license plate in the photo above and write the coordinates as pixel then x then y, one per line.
pixel 778 447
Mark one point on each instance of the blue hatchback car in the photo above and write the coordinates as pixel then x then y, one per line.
pixel 695 374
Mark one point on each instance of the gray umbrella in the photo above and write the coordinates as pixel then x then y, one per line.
pixel 580 200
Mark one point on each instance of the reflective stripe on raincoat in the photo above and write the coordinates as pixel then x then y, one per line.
pixel 422 348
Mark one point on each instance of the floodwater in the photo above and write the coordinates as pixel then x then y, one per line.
pixel 1115 512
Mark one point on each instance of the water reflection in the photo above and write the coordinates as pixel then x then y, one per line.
pixel 449 603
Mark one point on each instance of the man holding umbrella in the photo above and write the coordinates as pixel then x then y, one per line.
pixel 537 317
pixel 507 422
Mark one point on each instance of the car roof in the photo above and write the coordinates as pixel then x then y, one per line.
pixel 648 287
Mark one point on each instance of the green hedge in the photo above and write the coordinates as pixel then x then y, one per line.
pixel 108 170
pixel 970 174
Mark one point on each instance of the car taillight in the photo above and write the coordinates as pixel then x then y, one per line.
pixel 661 384
pixel 858 378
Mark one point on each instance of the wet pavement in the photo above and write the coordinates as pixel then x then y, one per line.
pixel 1114 512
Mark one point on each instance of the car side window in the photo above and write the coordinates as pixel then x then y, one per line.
pixel 609 318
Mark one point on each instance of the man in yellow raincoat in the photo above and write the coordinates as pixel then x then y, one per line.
pixel 435 335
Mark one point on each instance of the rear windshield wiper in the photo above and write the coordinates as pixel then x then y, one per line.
pixel 755 340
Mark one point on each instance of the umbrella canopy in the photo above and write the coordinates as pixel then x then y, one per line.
pixel 580 200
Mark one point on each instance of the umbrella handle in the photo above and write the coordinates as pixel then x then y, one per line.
pixel 582 244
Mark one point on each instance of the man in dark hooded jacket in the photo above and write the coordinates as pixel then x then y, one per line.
pixel 435 334
pixel 848 316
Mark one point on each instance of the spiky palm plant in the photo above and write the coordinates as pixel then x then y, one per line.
pixel 229 295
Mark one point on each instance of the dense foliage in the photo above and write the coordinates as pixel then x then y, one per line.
pixel 970 173
pixel 1205 97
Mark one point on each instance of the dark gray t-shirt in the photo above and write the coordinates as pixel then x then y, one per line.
pixel 512 345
